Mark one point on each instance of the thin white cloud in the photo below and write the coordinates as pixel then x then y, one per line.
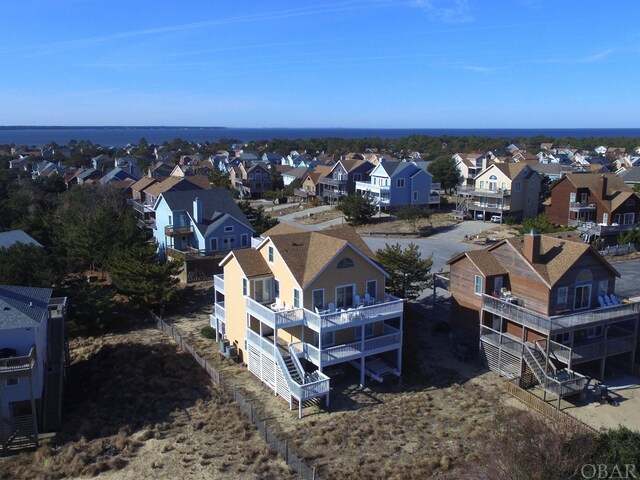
pixel 262 17
pixel 475 68
pixel 448 11
pixel 594 58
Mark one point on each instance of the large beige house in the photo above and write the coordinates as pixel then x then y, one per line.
pixel 300 303
pixel 505 189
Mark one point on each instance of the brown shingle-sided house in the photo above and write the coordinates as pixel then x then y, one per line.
pixel 600 205
pixel 544 306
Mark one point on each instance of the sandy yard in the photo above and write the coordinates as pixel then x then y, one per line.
pixel 139 408
pixel 425 423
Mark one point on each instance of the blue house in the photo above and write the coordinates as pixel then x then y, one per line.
pixel 396 184
pixel 203 221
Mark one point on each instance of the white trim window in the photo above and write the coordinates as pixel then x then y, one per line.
pixel 603 287
pixel 415 196
pixel 271 254
pixel 563 293
pixel 317 298
pixel 400 183
pixel 213 244
pixel 296 298
pixel 244 240
pixel 582 297
pixel 372 288
pixel 245 287
pixel 477 285
pixel 517 186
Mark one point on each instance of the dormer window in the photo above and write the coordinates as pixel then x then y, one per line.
pixel 345 263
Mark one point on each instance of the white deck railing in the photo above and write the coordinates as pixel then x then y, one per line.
pixel 218 283
pixel 220 312
pixel 19 363
pixel 392 307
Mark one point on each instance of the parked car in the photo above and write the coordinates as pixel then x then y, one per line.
pixel 479 216
pixel 496 218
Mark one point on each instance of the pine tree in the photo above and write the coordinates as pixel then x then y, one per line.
pixel 409 273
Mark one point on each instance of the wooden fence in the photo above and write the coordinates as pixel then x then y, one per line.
pixel 549 411
pixel 279 445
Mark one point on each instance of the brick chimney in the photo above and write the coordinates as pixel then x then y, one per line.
pixel 602 187
pixel 531 247
pixel 197 210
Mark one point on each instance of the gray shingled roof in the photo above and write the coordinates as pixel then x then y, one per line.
pixel 631 175
pixel 12 237
pixel 23 307
pixel 216 204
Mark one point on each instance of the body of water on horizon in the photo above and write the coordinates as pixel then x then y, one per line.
pixel 120 136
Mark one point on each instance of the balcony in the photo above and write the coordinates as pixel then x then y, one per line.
pixel 177 230
pixel 219 311
pixel 601 229
pixel 18 366
pixel 58 307
pixel 434 199
pixel 391 339
pixel 435 187
pixel 341 184
pixel 559 323
pixel 369 187
pixel 499 193
pixel 391 307
pixel 581 206
pixel 218 283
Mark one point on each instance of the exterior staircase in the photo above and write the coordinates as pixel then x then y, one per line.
pixel 462 208
pixel 561 382
pixel 292 366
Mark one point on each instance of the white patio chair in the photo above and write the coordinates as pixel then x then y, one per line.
pixel 601 301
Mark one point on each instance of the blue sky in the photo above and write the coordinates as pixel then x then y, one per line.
pixel 358 63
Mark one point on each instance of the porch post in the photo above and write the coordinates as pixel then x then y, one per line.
pixel 362 353
pixel 401 343
pixel 604 354
pixel 33 409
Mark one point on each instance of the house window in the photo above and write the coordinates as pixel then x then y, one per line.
pixel 415 196
pixel 628 219
pixel 603 287
pixel 605 218
pixel 368 331
pixel 563 338
pixel 213 243
pixel 517 186
pixel 400 183
pixel 262 291
pixel 528 199
pixel 344 296
pixel 562 295
pixel 328 339
pixel 296 298
pixel 477 285
pixel 582 297
pixel 345 263
pixel 357 177
pixel 170 220
pixel 270 254
pixel 497 283
pixel 245 286
pixel 372 288
pixel 481 184
pixel 593 332
pixel 12 381
pixel 572 197
pixel 276 288
pixel 228 229
pixel 265 176
pixel 244 240
pixel 317 297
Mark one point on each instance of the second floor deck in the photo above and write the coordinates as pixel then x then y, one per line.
pixel 18 365
pixel 559 323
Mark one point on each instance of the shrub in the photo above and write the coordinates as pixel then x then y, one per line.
pixel 208 332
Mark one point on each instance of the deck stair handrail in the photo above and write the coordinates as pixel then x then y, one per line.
pixel 564 382
pixel 549 363
pixel 296 363
pixel 305 391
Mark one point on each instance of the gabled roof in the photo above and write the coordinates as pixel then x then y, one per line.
pixel 511 170
pixel 12 237
pixel 251 262
pixel 631 175
pixel 558 254
pixel 23 307
pixel 307 253
pixel 617 192
pixel 143 183
pixel 298 172
pixel 216 205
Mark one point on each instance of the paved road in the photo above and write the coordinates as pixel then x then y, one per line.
pixel 442 246
pixel 628 285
